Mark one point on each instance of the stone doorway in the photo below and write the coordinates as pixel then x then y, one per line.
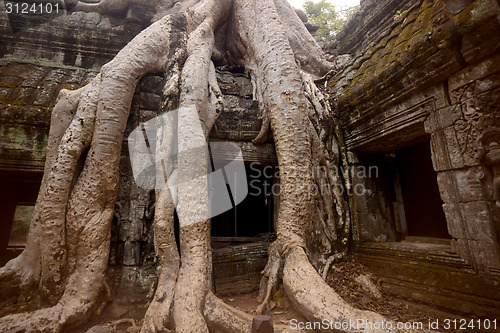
pixel 241 236
pixel 253 218
pixel 423 211
pixel 17 200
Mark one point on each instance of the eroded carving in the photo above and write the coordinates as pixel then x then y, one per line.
pixel 491 144
pixel 476 116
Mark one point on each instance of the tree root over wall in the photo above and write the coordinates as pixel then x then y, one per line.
pixel 67 251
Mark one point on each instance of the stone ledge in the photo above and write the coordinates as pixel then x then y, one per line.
pixel 431 274
pixel 237 269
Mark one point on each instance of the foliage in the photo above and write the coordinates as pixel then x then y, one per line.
pixel 328 18
pixel 399 14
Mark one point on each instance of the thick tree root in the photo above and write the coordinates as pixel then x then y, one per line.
pixel 270 278
pixel 222 317
pixel 313 297
pixel 23 272
pixel 318 302
pixel 80 201
pixel 62 174
pixel 41 321
pixel 158 315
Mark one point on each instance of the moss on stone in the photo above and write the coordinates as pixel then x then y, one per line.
pixel 423 25
pixel 17 138
pixel 44 63
pixel 40 146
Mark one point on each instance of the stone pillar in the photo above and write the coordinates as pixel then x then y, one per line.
pixel 467 171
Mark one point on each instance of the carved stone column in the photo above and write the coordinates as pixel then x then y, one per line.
pixel 492 159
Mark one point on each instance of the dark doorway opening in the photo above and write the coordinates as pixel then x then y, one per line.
pixel 423 209
pixel 17 199
pixel 253 218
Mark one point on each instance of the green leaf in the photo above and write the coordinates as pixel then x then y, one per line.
pixel 330 20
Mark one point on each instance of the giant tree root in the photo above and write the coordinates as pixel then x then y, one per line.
pixel 323 304
pixel 68 245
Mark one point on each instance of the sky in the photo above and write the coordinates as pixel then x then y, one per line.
pixel 337 3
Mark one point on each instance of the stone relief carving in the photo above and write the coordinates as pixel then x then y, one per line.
pixel 477 129
pixel 491 147
pixel 476 116
pixel 468 126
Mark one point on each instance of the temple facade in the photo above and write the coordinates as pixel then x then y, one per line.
pixel 417 101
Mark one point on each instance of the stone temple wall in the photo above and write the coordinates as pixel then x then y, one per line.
pixel 427 74
pixel 40 55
